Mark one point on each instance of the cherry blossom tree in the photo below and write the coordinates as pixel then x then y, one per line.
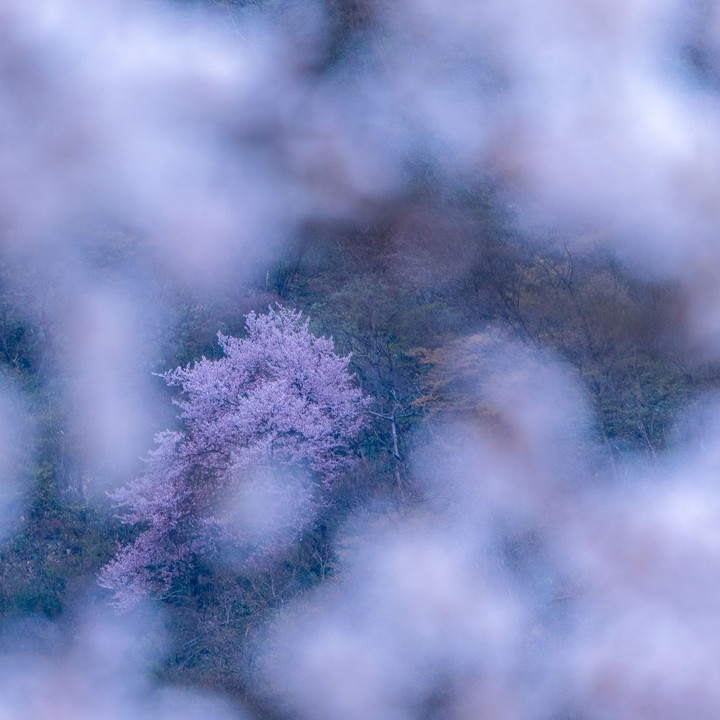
pixel 268 430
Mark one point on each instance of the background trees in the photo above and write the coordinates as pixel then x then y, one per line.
pixel 416 321
pixel 466 213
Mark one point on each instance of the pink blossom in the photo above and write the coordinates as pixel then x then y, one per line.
pixel 279 408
